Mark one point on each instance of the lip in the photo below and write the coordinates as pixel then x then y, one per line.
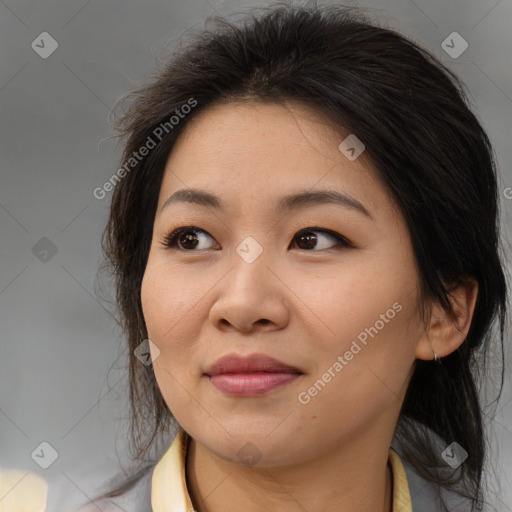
pixel 252 375
pixel 234 363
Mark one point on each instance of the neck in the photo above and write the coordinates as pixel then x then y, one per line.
pixel 354 477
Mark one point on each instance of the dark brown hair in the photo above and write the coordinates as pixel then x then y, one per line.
pixel 427 146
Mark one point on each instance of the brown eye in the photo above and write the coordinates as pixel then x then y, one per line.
pixel 188 240
pixel 185 239
pixel 307 239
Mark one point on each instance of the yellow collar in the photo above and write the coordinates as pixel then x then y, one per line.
pixel 169 490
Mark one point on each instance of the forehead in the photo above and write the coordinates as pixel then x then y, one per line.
pixel 286 131
pixel 259 152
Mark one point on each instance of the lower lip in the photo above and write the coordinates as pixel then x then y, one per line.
pixel 251 384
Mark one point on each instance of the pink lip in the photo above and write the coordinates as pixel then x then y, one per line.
pixel 251 384
pixel 254 375
pixel 234 363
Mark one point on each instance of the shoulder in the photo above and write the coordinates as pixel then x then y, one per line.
pixel 427 496
pixel 22 490
pixel 135 491
pixel 135 499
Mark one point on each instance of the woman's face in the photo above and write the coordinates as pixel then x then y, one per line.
pixel 244 281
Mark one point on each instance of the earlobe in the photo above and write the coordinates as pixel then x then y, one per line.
pixel 445 334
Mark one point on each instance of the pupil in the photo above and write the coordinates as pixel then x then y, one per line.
pixel 189 237
pixel 310 240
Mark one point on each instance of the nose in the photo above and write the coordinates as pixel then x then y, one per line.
pixel 251 297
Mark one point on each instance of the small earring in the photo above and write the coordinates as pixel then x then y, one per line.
pixel 436 358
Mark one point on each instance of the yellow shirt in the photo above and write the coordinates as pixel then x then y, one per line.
pixel 169 490
pixel 22 491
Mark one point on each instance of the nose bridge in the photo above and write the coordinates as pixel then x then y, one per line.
pixel 249 264
pixel 250 274
pixel 250 250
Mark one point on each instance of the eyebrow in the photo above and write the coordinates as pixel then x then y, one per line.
pixel 286 204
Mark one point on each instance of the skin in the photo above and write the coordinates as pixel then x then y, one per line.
pixel 303 306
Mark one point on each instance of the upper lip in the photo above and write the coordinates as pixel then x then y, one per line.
pixel 234 363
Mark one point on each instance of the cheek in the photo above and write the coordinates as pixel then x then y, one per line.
pixel 170 317
pixel 348 302
pixel 364 373
pixel 170 302
pixel 175 309
pixel 366 316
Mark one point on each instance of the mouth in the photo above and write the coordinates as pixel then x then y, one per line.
pixel 251 384
pixel 255 375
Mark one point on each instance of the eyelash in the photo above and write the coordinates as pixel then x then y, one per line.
pixel 170 241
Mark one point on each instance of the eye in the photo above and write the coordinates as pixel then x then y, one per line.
pixel 186 239
pixel 307 238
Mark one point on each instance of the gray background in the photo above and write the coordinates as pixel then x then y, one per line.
pixel 58 339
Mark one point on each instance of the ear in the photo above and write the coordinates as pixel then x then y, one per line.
pixel 444 334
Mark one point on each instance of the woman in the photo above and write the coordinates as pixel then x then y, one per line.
pixel 304 236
